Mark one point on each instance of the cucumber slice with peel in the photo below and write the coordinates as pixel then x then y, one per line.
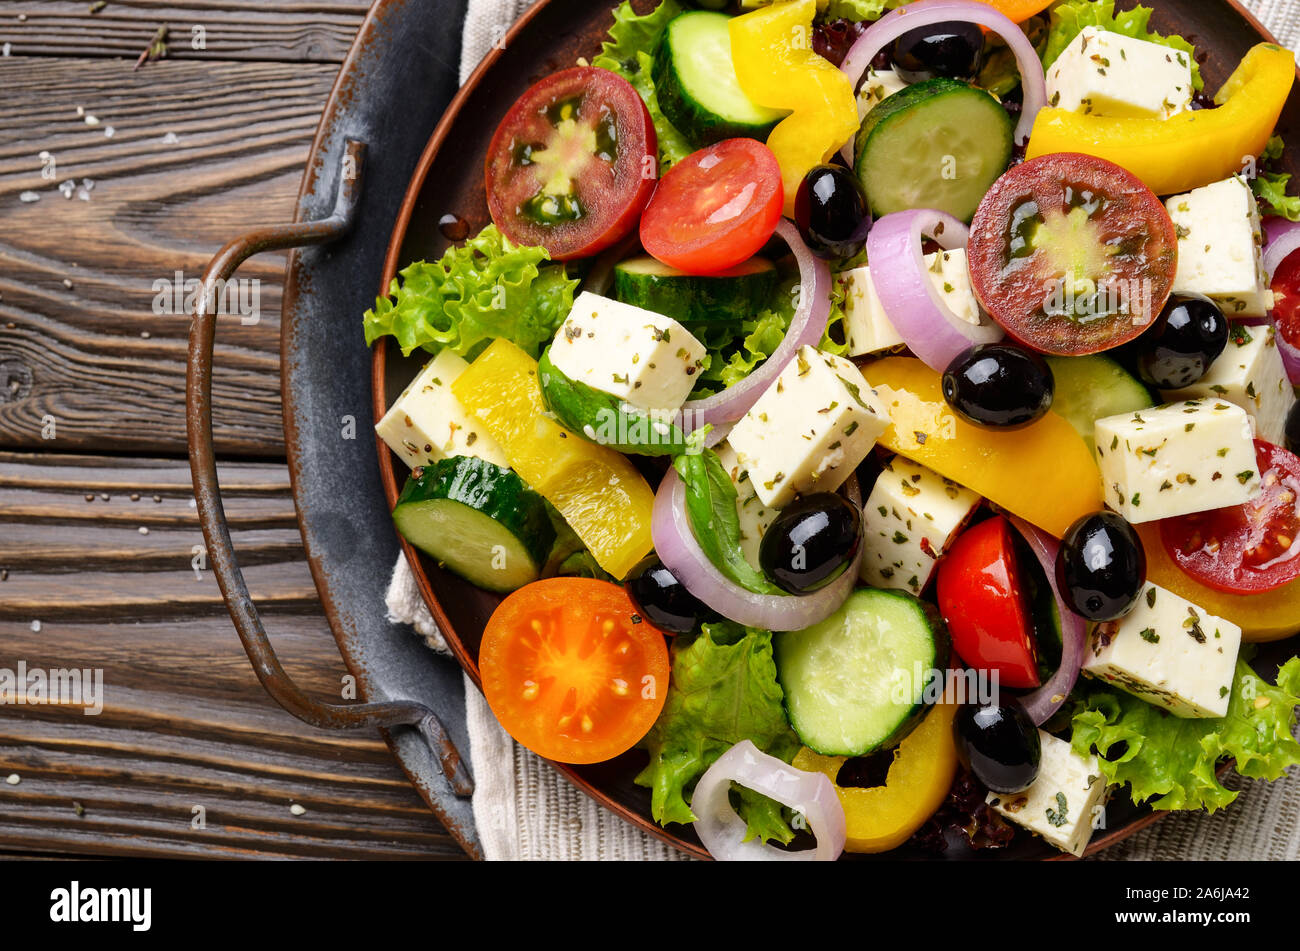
pixel 733 296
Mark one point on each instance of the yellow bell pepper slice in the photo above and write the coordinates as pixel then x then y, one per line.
pixel 1262 616
pixel 1190 149
pixel 881 818
pixel 597 490
pixel 771 50
pixel 1044 473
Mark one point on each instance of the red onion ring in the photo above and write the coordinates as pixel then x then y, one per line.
pixel 812 795
pixel 806 329
pixel 677 548
pixel 928 12
pixel 1282 239
pixel 1043 702
pixel 927 325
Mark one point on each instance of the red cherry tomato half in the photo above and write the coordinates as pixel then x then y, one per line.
pixel 1286 296
pixel 572 164
pixel 1246 548
pixel 983 601
pixel 715 208
pixel 1072 254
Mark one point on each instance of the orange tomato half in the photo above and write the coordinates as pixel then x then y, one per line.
pixel 572 671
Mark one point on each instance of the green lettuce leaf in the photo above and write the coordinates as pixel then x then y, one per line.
pixel 1171 761
pixel 859 9
pixel 629 52
pixel 484 289
pixel 1269 184
pixel 723 690
pixel 1069 19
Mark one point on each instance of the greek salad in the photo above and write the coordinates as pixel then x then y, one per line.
pixel 878 417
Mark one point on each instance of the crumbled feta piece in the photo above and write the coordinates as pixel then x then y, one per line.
pixel 1170 653
pixel 809 429
pixel 1250 373
pixel 755 518
pixel 427 423
pixel 869 328
pixel 909 519
pixel 644 358
pixel 1108 74
pixel 1064 804
pixel 1177 459
pixel 1220 247
pixel 879 85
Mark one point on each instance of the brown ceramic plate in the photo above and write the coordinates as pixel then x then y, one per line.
pixel 449 181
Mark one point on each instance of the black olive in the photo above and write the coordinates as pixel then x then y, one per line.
pixel 1101 567
pixel 953 49
pixel 1293 429
pixel 831 212
pixel 999 386
pixel 811 542
pixel 1186 338
pixel 663 600
pixel 1000 745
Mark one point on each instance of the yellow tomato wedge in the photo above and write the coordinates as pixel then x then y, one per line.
pixel 880 818
pixel 1190 149
pixel 1044 473
pixel 771 50
pixel 1261 615
pixel 597 490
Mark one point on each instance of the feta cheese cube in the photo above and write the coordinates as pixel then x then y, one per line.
pixel 1170 653
pixel 1250 373
pixel 1108 74
pixel 907 522
pixel 869 328
pixel 755 518
pixel 427 422
pixel 644 358
pixel 809 429
pixel 879 85
pixel 1064 801
pixel 1220 246
pixel 1177 459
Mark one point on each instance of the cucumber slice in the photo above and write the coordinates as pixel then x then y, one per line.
pixel 851 682
pixel 939 144
pixel 696 83
pixel 1092 388
pixel 604 419
pixel 478 519
pixel 727 298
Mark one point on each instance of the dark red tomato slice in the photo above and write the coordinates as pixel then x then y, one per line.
pixel 715 208
pixel 572 164
pixel 1072 254
pixel 1246 548
pixel 1286 297
pixel 983 601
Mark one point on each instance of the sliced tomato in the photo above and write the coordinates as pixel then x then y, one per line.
pixel 572 671
pixel 572 164
pixel 715 208
pixel 982 599
pixel 1072 254
pixel 1244 548
pixel 1286 299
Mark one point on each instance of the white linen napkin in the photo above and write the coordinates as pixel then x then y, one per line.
pixel 525 809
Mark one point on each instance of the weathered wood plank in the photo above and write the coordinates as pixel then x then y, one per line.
pixel 82 341
pixel 318 32
pixel 184 721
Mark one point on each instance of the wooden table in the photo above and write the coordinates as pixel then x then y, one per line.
pixel 98 530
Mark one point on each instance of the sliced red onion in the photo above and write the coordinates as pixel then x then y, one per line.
pixel 927 325
pixel 677 548
pixel 812 795
pixel 929 12
pixel 1281 240
pixel 1043 702
pixel 806 329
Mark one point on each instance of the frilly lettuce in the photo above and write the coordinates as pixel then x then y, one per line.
pixel 723 690
pixel 1069 19
pixel 1270 184
pixel 1171 761
pixel 484 289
